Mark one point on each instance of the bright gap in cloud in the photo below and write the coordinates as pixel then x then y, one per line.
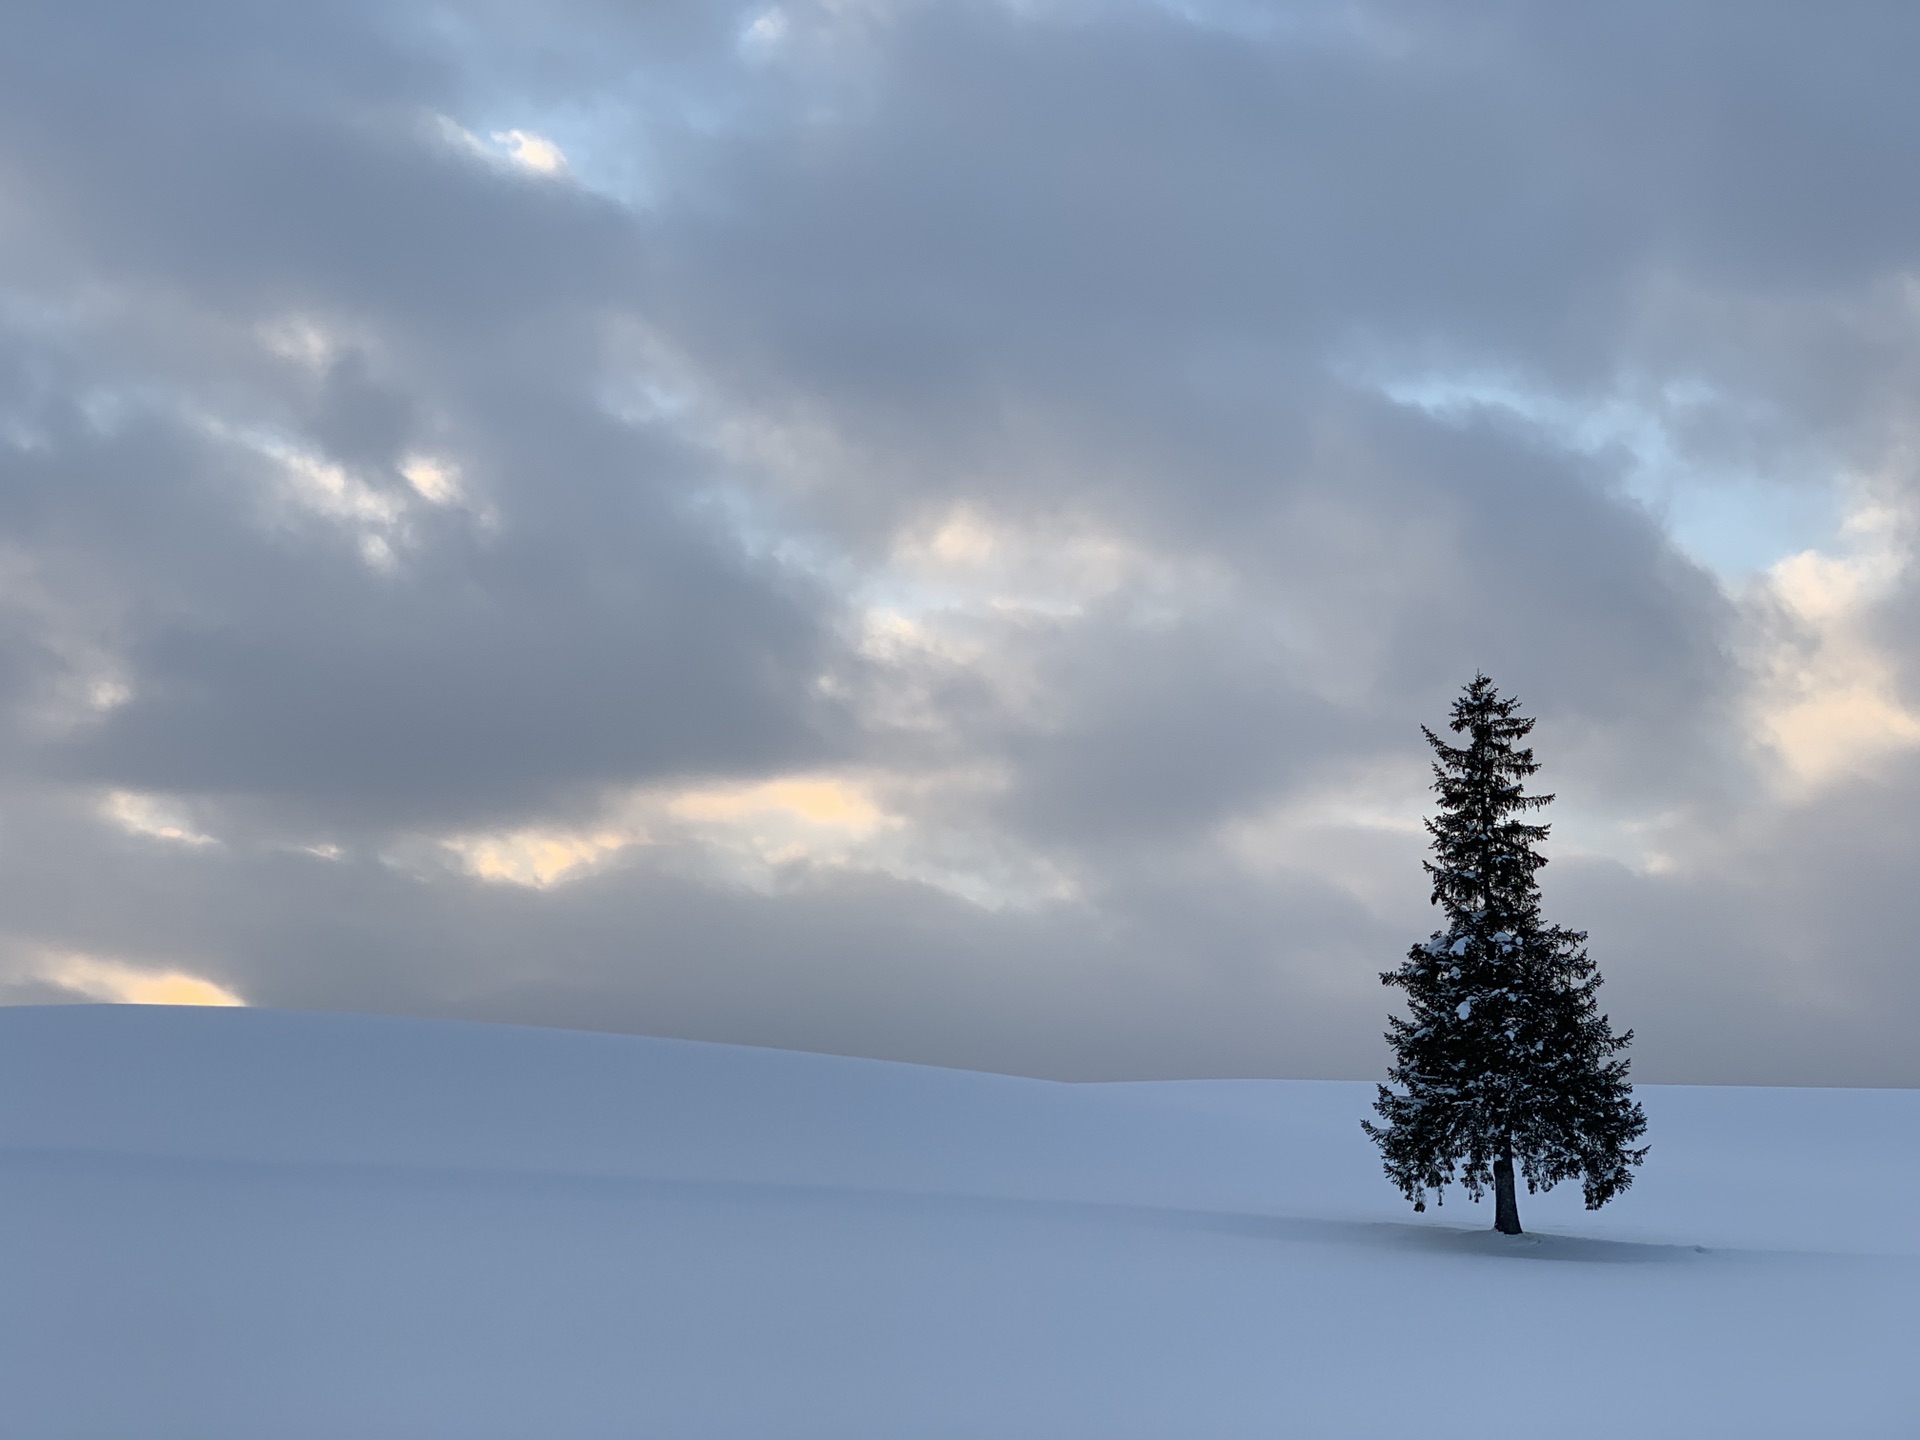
pixel 531 152
pixel 764 32
pixel 795 818
pixel 435 481
pixel 765 835
pixel 1739 529
pixel 1737 525
pixel 791 819
pixel 539 857
pixel 1054 568
pixel 152 817
pixel 813 801
pixel 1829 703
pixel 599 146
pixel 119 983
pixel 757 832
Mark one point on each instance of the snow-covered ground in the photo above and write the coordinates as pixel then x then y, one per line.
pixel 223 1223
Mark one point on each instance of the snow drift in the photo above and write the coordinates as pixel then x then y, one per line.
pixel 220 1223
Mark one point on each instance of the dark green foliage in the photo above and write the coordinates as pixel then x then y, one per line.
pixel 1503 1050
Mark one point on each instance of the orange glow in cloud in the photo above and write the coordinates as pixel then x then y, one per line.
pixel 818 802
pixel 123 984
pixel 538 857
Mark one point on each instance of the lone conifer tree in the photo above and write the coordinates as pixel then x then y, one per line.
pixel 1504 1055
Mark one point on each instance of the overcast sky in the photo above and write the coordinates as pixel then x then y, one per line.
pixel 929 530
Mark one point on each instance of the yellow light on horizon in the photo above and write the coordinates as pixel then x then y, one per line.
pixel 122 984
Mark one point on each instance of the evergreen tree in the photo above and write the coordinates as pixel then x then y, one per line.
pixel 1504 1055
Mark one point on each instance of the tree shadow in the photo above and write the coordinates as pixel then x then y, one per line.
pixel 1458 1240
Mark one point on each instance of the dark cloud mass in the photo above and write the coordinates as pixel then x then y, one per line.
pixel 928 529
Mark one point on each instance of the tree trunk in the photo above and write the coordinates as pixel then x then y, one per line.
pixel 1506 1207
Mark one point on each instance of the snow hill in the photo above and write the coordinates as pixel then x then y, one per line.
pixel 265 1226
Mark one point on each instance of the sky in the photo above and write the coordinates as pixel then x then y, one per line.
pixel 929 530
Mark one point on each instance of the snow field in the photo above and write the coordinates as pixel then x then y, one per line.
pixel 221 1223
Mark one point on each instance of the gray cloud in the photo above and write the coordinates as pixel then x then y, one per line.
pixel 927 530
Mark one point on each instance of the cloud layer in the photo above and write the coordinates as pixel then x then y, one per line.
pixel 928 530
